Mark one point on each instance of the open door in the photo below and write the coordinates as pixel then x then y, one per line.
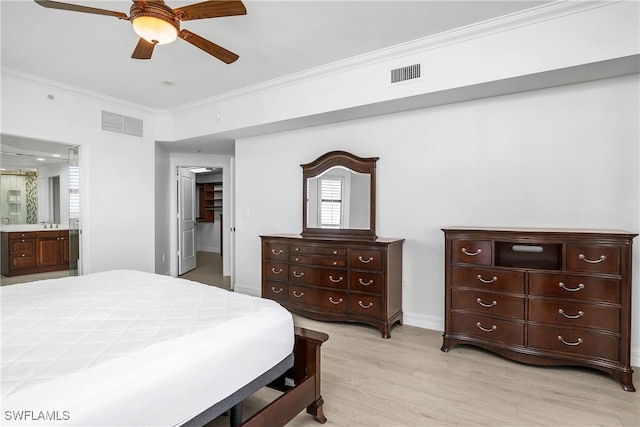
pixel 186 220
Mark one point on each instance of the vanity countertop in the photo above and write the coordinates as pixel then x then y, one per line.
pixel 30 227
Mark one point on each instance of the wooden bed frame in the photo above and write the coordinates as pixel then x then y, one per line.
pixel 300 386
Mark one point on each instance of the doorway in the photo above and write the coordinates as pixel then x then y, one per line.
pixel 51 201
pixel 200 226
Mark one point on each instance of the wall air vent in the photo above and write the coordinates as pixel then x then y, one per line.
pixel 409 72
pixel 118 123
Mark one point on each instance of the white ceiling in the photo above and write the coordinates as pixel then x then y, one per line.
pixel 274 39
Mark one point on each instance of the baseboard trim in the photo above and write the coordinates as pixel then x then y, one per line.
pixel 247 290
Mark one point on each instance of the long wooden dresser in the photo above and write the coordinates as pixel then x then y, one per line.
pixel 540 296
pixel 338 280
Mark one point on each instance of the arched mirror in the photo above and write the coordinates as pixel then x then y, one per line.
pixel 339 197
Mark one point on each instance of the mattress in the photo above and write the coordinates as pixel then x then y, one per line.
pixel 131 348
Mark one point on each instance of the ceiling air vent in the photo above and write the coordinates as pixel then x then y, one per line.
pixel 118 123
pixel 409 72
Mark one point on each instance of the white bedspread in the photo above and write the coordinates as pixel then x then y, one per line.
pixel 131 348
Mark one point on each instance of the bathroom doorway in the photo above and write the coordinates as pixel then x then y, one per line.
pixel 51 200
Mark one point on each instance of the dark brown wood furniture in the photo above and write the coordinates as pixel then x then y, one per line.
pixel 542 296
pixel 300 386
pixel 337 269
pixel 345 280
pixel 210 200
pixel 29 252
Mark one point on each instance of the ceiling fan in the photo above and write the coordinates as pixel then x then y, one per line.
pixel 157 23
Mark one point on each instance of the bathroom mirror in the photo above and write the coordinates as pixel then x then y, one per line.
pixel 339 191
pixel 33 181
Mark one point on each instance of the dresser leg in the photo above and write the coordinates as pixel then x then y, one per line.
pixel 625 379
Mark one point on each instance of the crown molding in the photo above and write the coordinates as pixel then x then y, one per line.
pixel 544 12
pixel 75 90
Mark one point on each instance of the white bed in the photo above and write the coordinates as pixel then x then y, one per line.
pixel 131 348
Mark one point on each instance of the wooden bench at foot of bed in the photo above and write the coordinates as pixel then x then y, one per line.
pixel 305 392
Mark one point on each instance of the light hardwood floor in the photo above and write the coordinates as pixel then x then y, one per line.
pixel 408 381
pixel 208 270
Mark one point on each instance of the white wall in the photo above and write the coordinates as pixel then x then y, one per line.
pixel 162 215
pixel 563 157
pixel 116 171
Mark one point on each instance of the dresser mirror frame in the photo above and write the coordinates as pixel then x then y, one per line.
pixel 355 164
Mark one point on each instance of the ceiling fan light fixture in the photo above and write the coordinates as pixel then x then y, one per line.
pixel 155 30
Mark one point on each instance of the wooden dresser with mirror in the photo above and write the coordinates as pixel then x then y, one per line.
pixel 337 269
pixel 542 296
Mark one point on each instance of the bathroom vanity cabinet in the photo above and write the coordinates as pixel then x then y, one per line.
pixel 29 252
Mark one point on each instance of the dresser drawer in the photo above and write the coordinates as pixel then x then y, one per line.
pixel 471 252
pixel 22 261
pixel 365 305
pixel 22 246
pixel 324 277
pixel 576 287
pixel 501 331
pixel 489 279
pixel 332 300
pixel 275 290
pixel 488 303
pixel 584 315
pixel 276 251
pixel 577 342
pixel 593 258
pixel 318 250
pixel 365 259
pixel 276 271
pixel 22 235
pixel 324 260
pixel 361 281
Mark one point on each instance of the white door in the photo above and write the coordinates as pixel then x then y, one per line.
pixel 186 220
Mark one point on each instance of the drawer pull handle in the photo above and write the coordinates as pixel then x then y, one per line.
pixel 491 329
pixel 591 261
pixel 297 259
pixel 335 302
pixel 22 254
pixel 365 261
pixel 493 279
pixel 335 263
pixel 338 280
pixel 297 249
pixel 22 240
pixel 274 271
pixel 563 286
pixel 476 253
pixel 335 252
pixel 298 274
pixel 479 301
pixel 569 343
pixel 295 294
pixel 571 316
pixel 273 251
pixel 276 291
pixel 365 284
pixel 365 306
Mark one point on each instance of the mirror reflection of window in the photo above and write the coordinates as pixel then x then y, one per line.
pixel 331 202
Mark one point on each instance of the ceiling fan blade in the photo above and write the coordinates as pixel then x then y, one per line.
pixel 210 9
pixel 211 48
pixel 143 49
pixel 78 8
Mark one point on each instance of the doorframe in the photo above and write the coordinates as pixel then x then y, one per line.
pixel 223 162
